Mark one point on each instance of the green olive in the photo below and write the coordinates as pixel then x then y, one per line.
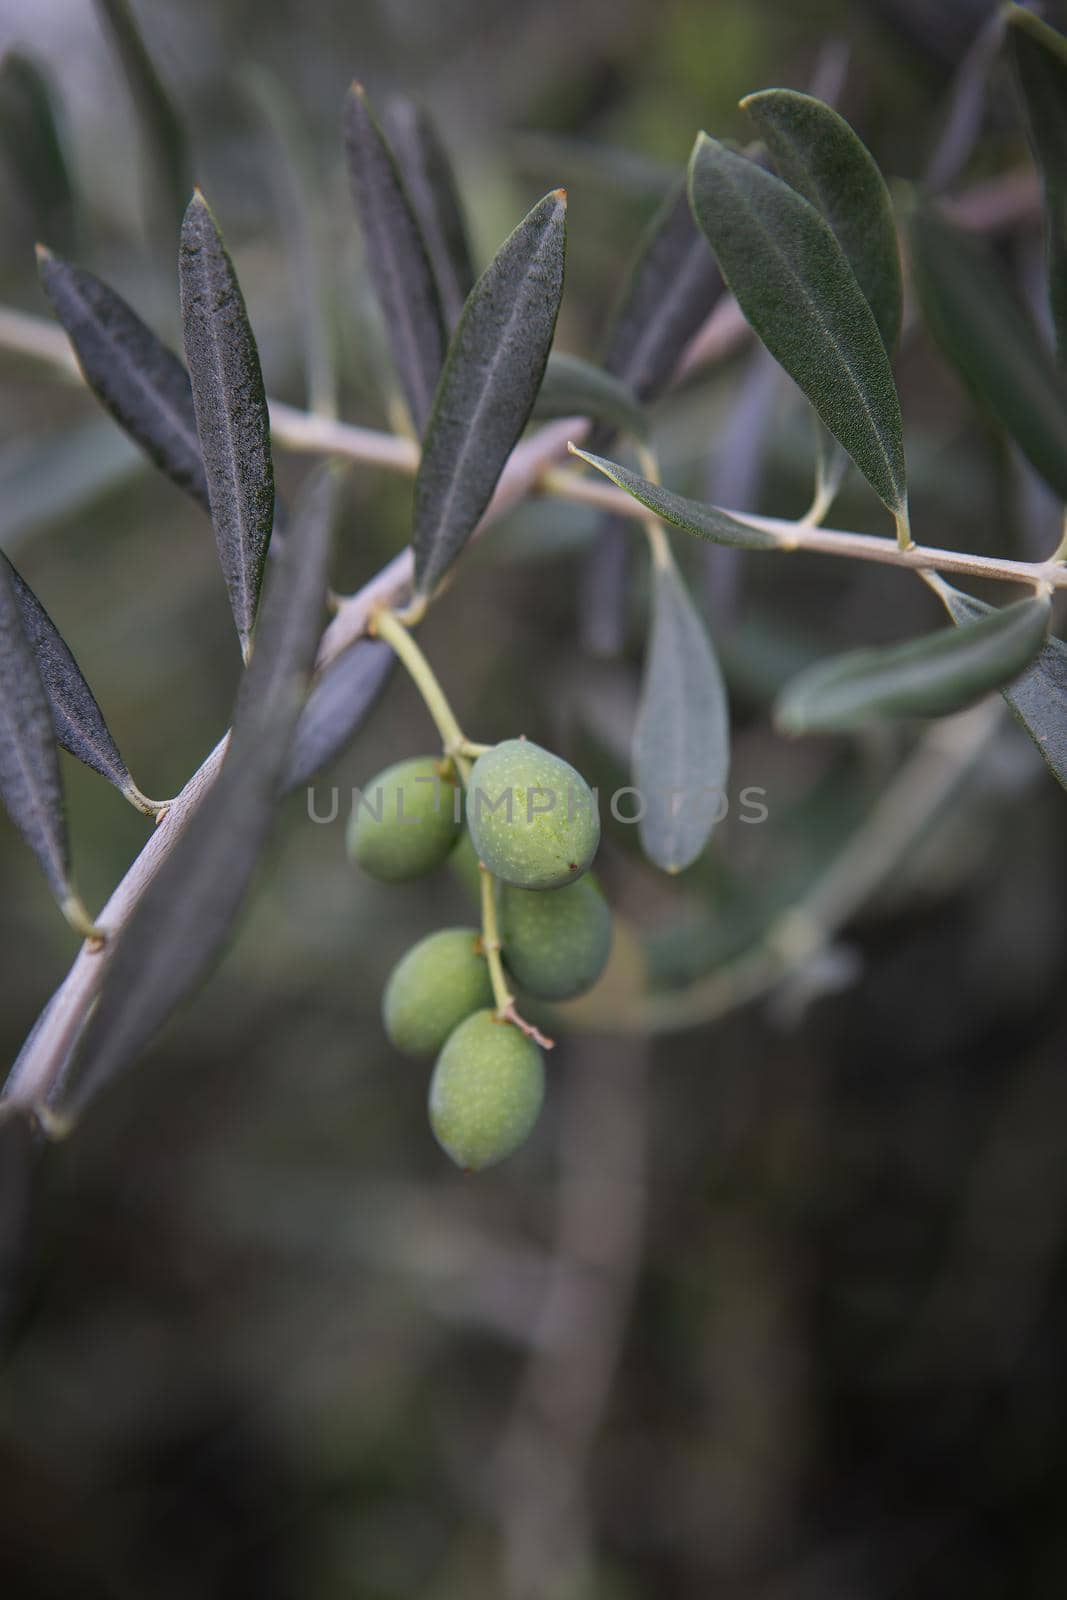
pixel 464 866
pixel 441 980
pixel 556 943
pixel 405 820
pixel 486 1091
pixel 533 819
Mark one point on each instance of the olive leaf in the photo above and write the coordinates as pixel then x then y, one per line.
pixel 431 187
pixel 1038 697
pixel 491 376
pixel 133 374
pixel 820 155
pixel 183 919
pixel 162 125
pixel 292 172
pixel 986 335
pixel 76 718
pixel 928 677
pixel 576 388
pixel 671 288
pixel 681 751
pixel 706 522
pixel 30 784
pixel 232 421
pixel 605 588
pixel 1039 54
pixel 397 256
pixel 796 288
pixel 342 697
pixel 30 131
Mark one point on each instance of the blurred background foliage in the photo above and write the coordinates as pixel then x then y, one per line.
pixel 772 1309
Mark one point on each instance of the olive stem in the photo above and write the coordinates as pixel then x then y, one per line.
pixel 388 627
pixel 503 998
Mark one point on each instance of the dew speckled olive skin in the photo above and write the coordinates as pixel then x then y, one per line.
pixel 545 829
pixel 418 825
pixel 441 980
pixel 556 943
pixel 486 1091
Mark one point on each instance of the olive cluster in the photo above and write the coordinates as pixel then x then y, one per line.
pixel 527 828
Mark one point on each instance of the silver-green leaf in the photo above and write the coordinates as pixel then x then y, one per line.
pixel 706 522
pixel 576 388
pixel 681 752
pixel 1040 58
pixel 985 333
pixel 232 421
pixel 342 697
pixel 397 256
pixel 933 676
pixel 492 373
pixel 35 146
pixel 185 916
pixel 816 151
pixel 133 374
pixel 796 288
pixel 1038 697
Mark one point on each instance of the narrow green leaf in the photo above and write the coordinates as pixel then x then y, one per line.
pixel 185 916
pixel 30 785
pixel 576 388
pixel 342 697
pixel 706 522
pixel 1040 58
pixel 292 171
pixel 494 368
pixel 132 373
pixel 77 719
pixel 816 151
pixel 431 186
pixel 796 288
pixel 397 256
pixel 35 146
pixel 232 421
pixel 163 130
pixel 670 290
pixel 929 677
pixel 681 753
pixel 987 336
pixel 1038 697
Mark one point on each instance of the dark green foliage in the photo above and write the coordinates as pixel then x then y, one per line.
pixel 431 187
pixel 817 152
pixel 232 421
pixel 77 719
pixel 495 365
pixel 132 373
pixel 706 522
pixel 986 335
pixel 35 147
pixel 575 388
pixel 398 258
pixel 798 291
pixel 1040 57
pixel 160 122
pixel 29 764
pixel 929 677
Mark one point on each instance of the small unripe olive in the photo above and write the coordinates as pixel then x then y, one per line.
pixel 486 1091
pixel 533 819
pixel 556 943
pixel 404 822
pixel 441 980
